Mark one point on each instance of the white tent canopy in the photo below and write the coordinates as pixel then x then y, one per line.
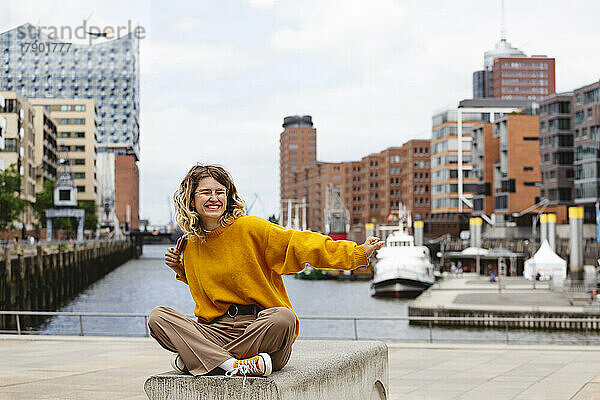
pixel 547 263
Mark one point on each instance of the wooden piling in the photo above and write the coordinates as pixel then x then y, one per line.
pixel 44 279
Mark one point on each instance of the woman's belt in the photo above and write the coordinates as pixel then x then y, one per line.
pixel 241 309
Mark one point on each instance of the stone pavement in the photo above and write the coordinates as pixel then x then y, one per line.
pixel 58 367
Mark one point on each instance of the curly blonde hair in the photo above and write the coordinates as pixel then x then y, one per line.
pixel 186 216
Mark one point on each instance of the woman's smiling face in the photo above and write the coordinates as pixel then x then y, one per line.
pixel 210 201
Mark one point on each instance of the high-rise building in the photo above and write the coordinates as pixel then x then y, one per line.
pixel 297 151
pixel 586 126
pixel 75 120
pixel 556 149
pixel 106 72
pixel 482 80
pixel 509 74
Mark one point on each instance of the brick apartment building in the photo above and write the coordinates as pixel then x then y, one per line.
pixel 127 190
pixel 486 155
pixel 528 78
pixel 509 74
pixel 371 189
pixel 517 178
pixel 506 161
pixel 312 185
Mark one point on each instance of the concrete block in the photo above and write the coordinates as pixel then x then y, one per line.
pixel 317 370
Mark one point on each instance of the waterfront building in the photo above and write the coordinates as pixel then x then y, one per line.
pixel 407 170
pixel 379 183
pixel 310 191
pixel 454 181
pixel 107 72
pixel 17 146
pixel 517 177
pixel 586 127
pixel 75 121
pixel 371 189
pixel 485 155
pixel 509 74
pixel 557 150
pixel 507 163
pixel 446 215
pixel 45 147
pixel 297 151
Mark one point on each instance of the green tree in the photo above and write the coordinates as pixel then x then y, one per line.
pixel 273 219
pixel 11 205
pixel 43 201
pixel 91 215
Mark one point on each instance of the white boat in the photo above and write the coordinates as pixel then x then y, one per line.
pixel 402 269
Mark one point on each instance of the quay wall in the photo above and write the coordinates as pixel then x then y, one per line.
pixel 526 319
pixel 45 277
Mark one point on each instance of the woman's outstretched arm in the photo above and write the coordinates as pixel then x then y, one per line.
pixel 287 250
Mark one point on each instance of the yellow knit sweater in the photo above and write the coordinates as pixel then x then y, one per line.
pixel 243 263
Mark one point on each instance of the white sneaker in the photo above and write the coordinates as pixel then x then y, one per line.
pixel 177 364
pixel 260 365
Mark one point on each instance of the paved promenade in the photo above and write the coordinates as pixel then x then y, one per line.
pixel 471 292
pixel 58 367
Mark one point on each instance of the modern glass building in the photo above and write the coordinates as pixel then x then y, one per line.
pixel 107 72
pixel 586 126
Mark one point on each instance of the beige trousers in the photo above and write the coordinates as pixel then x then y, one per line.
pixel 205 346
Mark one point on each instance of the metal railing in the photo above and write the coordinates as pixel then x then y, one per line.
pixel 491 321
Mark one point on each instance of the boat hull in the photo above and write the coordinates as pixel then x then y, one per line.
pixel 399 288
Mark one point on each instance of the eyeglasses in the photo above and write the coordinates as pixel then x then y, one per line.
pixel 209 192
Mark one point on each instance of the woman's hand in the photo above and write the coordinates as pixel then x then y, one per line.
pixel 371 244
pixel 172 260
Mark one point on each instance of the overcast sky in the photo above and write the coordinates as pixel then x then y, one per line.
pixel 217 77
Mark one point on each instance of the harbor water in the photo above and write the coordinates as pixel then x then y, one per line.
pixel 139 285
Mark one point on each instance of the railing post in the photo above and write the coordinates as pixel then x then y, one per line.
pixel 18 324
pixel 80 325
pixel 430 332
pixel 146 325
pixel 355 329
pixel 506 329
